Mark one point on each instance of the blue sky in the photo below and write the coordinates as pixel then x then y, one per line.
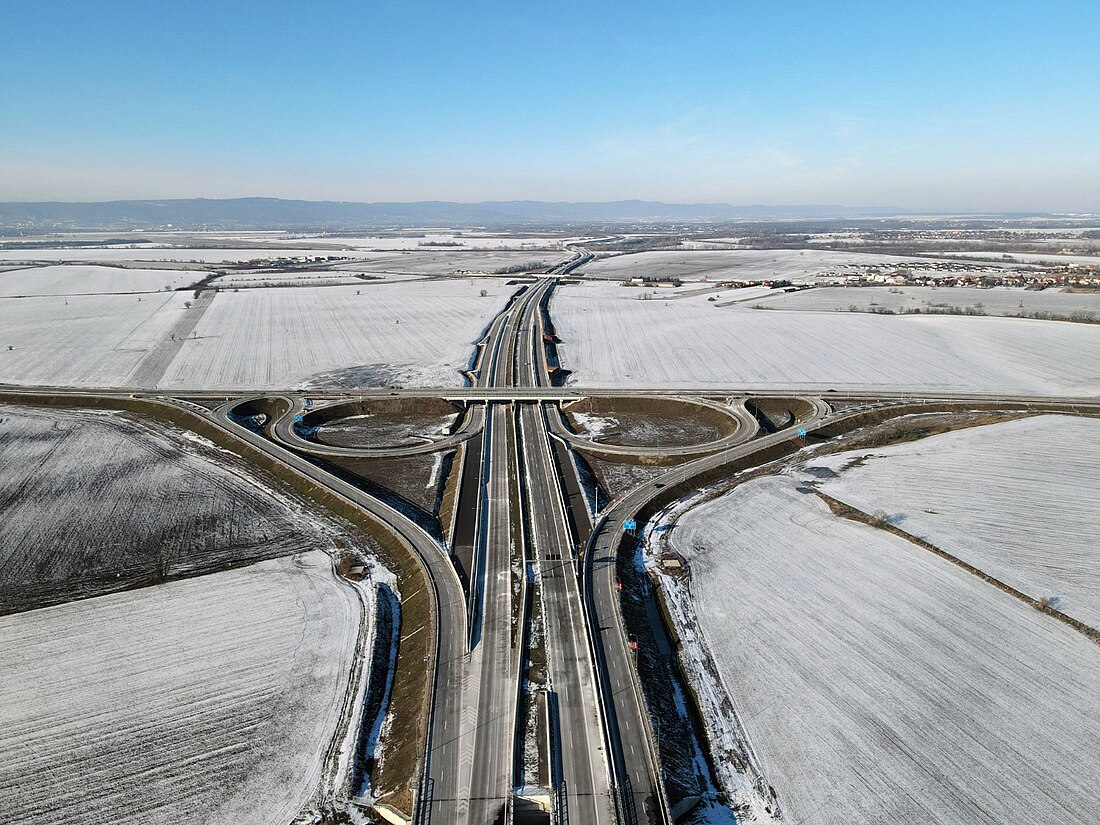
pixel 930 105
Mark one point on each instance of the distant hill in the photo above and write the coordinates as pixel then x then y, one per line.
pixel 275 213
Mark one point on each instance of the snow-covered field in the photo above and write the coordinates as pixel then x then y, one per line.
pixel 613 340
pixel 203 701
pixel 95 502
pixel 75 280
pixel 416 333
pixel 1016 500
pixel 1043 258
pixel 94 340
pixel 446 262
pixel 463 240
pixel 437 262
pixel 739 264
pixel 996 301
pixel 319 277
pixel 880 683
pixel 688 289
pixel 157 253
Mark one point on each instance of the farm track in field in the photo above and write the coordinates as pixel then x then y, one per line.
pixel 152 367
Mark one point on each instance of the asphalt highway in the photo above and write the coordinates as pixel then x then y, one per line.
pixel 582 788
pixel 489 712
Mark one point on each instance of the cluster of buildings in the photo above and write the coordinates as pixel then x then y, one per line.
pixel 1038 278
pixel 294 260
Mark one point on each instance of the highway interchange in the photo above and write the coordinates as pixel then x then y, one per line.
pixel 605 764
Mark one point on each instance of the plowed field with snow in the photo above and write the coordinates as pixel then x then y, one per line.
pixel 95 502
pixel 414 333
pixel 208 701
pixel 739 264
pixel 1015 500
pixel 77 280
pixel 880 683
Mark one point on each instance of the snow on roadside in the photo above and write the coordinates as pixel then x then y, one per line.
pixel 739 771
pixel 594 426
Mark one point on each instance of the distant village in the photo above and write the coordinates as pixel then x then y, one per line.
pixel 934 273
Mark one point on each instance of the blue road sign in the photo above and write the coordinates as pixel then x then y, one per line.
pixel 297 419
pixel 801 433
pixel 630 525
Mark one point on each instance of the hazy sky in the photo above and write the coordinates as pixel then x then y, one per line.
pixel 963 105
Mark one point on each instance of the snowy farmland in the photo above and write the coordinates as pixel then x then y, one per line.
pixel 413 333
pixel 87 340
pixel 78 280
pixel 995 301
pixel 205 701
pixel 613 341
pixel 434 262
pixel 317 277
pixel 95 502
pixel 416 333
pixel 881 683
pixel 205 255
pixel 739 264
pixel 448 262
pixel 425 241
pixel 1015 500
pixel 1052 258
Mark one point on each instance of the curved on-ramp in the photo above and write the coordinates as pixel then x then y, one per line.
pixel 745 428
pixel 283 430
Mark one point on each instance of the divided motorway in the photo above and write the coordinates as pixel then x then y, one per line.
pixel 470 756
